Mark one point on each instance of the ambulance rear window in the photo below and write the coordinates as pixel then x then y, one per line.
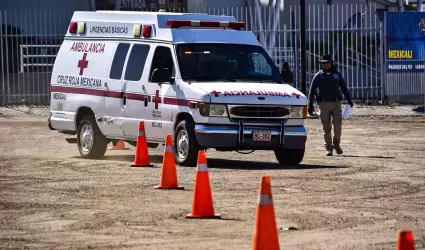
pixel 234 62
pixel 118 62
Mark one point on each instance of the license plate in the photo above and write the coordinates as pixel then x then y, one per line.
pixel 262 135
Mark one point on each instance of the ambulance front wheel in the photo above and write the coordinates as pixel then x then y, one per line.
pixel 185 145
pixel 91 142
pixel 289 157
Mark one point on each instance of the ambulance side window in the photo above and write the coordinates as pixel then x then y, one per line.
pixel 136 62
pixel 118 62
pixel 162 68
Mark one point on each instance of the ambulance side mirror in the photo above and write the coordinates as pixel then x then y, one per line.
pixel 161 76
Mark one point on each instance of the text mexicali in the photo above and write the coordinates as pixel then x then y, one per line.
pixel 88 47
pixel 79 81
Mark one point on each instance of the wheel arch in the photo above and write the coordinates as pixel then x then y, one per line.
pixel 181 117
pixel 81 112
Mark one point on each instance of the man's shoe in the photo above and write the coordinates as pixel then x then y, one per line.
pixel 329 153
pixel 338 150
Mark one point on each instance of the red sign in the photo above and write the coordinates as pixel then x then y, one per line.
pixel 83 64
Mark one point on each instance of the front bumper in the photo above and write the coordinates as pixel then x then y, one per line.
pixel 239 137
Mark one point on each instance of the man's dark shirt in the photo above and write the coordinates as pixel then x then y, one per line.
pixel 329 86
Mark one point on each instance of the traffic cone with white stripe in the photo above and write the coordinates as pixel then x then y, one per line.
pixel 265 231
pixel 405 240
pixel 141 158
pixel 202 203
pixel 169 170
pixel 120 145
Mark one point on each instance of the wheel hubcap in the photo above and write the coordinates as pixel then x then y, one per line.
pixel 86 138
pixel 182 144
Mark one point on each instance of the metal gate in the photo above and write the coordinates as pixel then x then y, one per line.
pixel 351 33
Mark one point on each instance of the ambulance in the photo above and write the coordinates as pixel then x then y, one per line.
pixel 202 78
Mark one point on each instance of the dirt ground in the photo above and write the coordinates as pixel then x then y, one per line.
pixel 50 198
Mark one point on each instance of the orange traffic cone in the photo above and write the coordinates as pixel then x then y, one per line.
pixel 405 240
pixel 265 232
pixel 142 156
pixel 169 171
pixel 119 146
pixel 202 203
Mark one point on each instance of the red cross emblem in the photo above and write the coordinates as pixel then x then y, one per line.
pixel 215 93
pixel 83 63
pixel 157 99
pixel 297 95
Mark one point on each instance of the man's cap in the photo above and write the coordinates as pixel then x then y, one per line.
pixel 325 58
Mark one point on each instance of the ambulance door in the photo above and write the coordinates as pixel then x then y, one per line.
pixel 162 92
pixel 114 100
pixel 135 96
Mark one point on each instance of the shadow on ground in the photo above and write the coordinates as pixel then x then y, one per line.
pixel 227 164
pixel 154 159
pixel 257 165
pixel 368 156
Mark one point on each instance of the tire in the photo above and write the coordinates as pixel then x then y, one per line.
pixel 289 157
pixel 186 155
pixel 97 148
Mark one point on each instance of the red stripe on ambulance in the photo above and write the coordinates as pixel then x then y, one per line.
pixel 113 94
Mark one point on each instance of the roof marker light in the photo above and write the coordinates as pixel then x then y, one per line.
pixel 73 27
pixel 147 30
pixel 237 25
pixel 137 30
pixel 82 27
pixel 210 24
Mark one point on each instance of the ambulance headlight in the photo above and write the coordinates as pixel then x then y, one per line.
pixel 299 112
pixel 216 110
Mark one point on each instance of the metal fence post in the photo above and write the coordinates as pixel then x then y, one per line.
pixel 2 61
pixel 383 47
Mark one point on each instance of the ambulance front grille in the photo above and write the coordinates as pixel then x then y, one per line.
pixel 258 113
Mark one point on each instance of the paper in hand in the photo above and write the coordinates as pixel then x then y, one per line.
pixel 347 111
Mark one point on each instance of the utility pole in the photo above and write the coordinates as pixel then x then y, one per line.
pixel 303 61
pixel 400 5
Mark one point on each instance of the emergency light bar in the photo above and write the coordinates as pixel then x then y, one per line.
pixel 210 24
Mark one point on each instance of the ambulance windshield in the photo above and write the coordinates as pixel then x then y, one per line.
pixel 226 62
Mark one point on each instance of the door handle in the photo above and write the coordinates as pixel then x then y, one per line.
pixel 146 101
pixel 124 99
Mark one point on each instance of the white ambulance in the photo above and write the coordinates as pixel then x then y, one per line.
pixel 199 77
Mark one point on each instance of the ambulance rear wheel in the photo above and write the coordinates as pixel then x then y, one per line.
pixel 289 157
pixel 185 145
pixel 91 142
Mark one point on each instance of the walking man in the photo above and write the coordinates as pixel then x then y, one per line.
pixel 327 86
